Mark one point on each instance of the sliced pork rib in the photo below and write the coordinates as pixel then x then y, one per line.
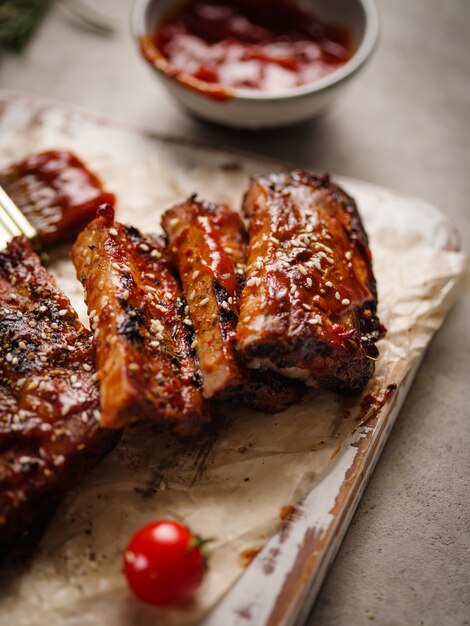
pixel 147 365
pixel 49 400
pixel 309 305
pixel 208 242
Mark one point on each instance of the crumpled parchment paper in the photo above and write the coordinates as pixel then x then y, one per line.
pixel 232 483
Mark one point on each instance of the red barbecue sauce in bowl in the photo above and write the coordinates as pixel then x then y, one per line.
pixel 219 46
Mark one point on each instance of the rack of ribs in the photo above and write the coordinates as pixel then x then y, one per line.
pixel 49 400
pixel 56 193
pixel 208 243
pixel 309 305
pixel 147 364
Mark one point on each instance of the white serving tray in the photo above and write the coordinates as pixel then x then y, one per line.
pixel 280 586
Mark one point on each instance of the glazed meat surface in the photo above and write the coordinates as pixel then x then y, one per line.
pixel 56 192
pixel 309 305
pixel 208 242
pixel 146 362
pixel 49 400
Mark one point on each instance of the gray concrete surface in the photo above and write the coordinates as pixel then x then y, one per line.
pixel 404 124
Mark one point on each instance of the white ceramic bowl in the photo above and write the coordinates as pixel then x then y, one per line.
pixel 255 109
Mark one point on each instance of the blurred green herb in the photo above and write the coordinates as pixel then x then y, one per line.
pixel 18 21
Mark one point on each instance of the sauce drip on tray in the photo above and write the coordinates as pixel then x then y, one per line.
pixel 246 44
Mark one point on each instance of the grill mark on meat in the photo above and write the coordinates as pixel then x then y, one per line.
pixel 130 325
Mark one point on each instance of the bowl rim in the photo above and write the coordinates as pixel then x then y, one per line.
pixel 358 59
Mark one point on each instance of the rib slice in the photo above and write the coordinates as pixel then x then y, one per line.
pixel 56 192
pixel 49 400
pixel 147 365
pixel 309 305
pixel 208 243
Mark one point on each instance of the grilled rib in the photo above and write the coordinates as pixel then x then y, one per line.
pixel 208 243
pixel 309 305
pixel 56 192
pixel 49 401
pixel 147 367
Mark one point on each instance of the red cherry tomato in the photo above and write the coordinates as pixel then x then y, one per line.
pixel 164 564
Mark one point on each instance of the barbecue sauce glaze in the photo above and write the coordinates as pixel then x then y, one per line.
pixel 220 45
